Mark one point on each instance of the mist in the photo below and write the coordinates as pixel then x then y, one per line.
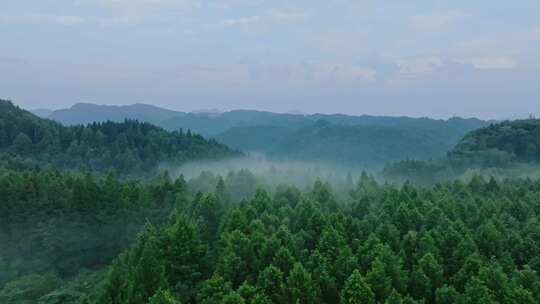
pixel 244 175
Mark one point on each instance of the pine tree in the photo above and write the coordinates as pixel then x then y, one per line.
pixel 214 290
pixel 301 288
pixel 270 282
pixel 222 195
pixel 22 144
pixel 357 291
pixel 446 295
pixel 117 283
pixel 379 281
pixel 394 298
pixel 184 255
pixel 233 298
pixel 163 296
pixel 147 274
pixel 477 293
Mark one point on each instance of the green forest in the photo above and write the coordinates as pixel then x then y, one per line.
pixel 129 147
pixel 455 242
pixel 334 139
pixel 507 148
pixel 90 214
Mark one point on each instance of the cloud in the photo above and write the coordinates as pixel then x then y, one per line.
pixel 501 50
pixel 134 12
pixel 436 21
pixel 490 62
pixel 317 73
pixel 242 74
pixel 272 16
pixel 147 3
pixel 286 16
pixel 348 73
pixel 532 35
pixel 121 20
pixel 419 66
pixel 205 76
pixel 241 21
pixel 43 19
pixel 14 61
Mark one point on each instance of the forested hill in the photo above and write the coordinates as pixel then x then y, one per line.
pixel 366 145
pixel 85 113
pixel 361 141
pixel 512 140
pixel 506 145
pixel 130 147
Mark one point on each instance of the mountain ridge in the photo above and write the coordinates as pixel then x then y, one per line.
pixel 128 147
pixel 236 117
pixel 290 136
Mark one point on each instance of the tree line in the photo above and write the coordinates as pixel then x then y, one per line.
pixel 454 242
pixel 507 146
pixel 130 148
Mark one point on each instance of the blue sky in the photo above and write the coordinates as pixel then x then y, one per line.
pixel 416 58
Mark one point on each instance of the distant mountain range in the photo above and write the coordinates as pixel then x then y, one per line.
pixel 367 141
pixel 207 123
pixel 85 113
pixel 43 113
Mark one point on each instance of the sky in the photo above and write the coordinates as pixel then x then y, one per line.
pixel 382 57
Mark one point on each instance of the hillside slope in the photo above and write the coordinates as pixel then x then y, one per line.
pixel 365 141
pixel 255 138
pixel 129 147
pixel 516 140
pixel 367 144
pixel 505 145
pixel 85 113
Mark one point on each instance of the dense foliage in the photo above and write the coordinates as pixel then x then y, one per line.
pixel 364 146
pixel 79 238
pixel 130 147
pixel 362 141
pixel 507 141
pixel 57 228
pixel 505 145
pixel 476 242
pixel 53 222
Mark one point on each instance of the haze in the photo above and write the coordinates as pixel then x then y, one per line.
pixel 419 58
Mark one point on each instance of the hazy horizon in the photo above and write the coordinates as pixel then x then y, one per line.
pixel 291 112
pixel 433 59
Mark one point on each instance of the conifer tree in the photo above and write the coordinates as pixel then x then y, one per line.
pixel 357 290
